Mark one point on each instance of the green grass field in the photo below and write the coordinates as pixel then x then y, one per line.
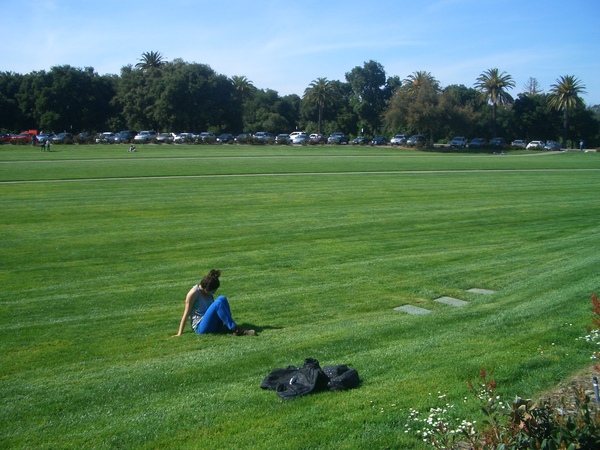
pixel 317 246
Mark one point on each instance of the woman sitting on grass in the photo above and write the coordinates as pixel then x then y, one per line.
pixel 208 315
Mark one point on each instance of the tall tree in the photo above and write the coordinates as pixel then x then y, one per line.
pixel 419 79
pixel 11 117
pixel 532 87
pixel 242 87
pixel 321 92
pixel 565 95
pixel 418 106
pixel 67 98
pixel 150 60
pixel 370 94
pixel 493 86
pixel 532 118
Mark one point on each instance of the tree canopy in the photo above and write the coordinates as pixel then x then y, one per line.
pixel 178 96
pixel 494 86
pixel 565 95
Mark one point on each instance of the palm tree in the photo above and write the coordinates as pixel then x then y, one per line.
pixel 415 81
pixel 565 95
pixel 242 86
pixel 150 60
pixel 321 92
pixel 493 85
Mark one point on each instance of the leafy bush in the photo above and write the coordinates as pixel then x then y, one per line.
pixel 522 424
pixel 245 140
pixel 255 141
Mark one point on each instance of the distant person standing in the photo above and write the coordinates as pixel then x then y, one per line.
pixel 581 144
pixel 47 144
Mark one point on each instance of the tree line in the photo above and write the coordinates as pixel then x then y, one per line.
pixel 178 96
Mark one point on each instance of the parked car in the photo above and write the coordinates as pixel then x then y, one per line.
pixel 379 140
pixel 338 138
pixel 21 138
pixel 145 136
pixel 458 142
pixel 62 138
pixel 317 138
pixel 242 137
pixel 552 146
pixel 105 138
pixel 398 139
pixel 416 140
pixel 535 145
pixel 165 137
pixel 43 137
pixel 300 138
pixel 183 137
pixel 225 138
pixel 293 134
pixel 477 143
pixel 498 142
pixel 206 136
pixel 264 136
pixel 124 137
pixel 82 137
pixel 361 140
pixel 4 137
pixel 282 139
pixel 519 143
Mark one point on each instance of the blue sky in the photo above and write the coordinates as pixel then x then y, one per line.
pixel 284 45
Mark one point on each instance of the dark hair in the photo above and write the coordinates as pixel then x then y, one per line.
pixel 211 281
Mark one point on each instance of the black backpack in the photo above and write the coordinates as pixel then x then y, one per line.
pixel 294 381
pixel 341 377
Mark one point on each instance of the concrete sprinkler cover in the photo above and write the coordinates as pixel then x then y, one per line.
pixel 413 310
pixel 481 291
pixel 451 301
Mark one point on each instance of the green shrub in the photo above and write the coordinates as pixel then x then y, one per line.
pixel 522 424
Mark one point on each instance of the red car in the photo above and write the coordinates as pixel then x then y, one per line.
pixel 23 137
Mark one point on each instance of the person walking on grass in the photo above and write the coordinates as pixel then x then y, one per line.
pixel 206 314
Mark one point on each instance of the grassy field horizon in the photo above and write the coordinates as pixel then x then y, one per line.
pixel 317 248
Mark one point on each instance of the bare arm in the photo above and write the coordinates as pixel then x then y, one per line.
pixel 189 302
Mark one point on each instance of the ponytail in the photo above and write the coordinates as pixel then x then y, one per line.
pixel 211 281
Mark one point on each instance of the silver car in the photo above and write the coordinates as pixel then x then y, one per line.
pixel 399 139
pixel 458 142
pixel 535 145
pixel 145 136
pixel 300 138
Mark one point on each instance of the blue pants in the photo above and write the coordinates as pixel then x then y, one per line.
pixel 217 315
